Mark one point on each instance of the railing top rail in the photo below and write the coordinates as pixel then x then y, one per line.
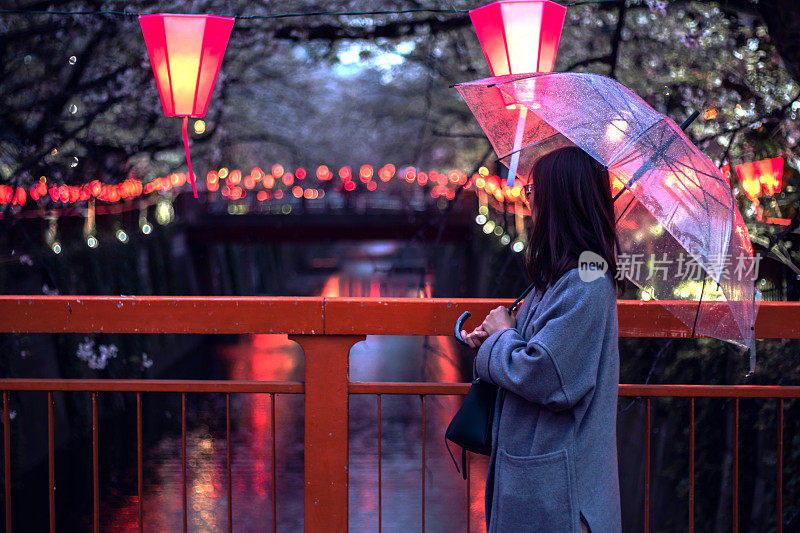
pixel 296 387
pixel 625 389
pixel 321 315
pixel 152 385
pixel 161 314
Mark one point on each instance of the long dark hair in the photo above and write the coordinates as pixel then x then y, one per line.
pixel 572 211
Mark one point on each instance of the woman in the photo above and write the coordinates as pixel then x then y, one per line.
pixel 553 466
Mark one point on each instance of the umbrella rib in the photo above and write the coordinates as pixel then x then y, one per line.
pixel 627 103
pixel 673 165
pixel 534 75
pixel 662 146
pixel 659 152
pixel 630 143
pixel 530 145
pixel 602 96
pixel 652 143
pixel 633 197
pixel 727 206
pixel 703 205
pixel 698 171
pixel 697 313
pixel 624 100
pixel 671 216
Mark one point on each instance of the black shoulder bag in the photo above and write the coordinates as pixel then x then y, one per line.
pixel 471 427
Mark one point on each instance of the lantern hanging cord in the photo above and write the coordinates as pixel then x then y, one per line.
pixel 278 15
pixel 188 157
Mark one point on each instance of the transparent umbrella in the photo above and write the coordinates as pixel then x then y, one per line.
pixel 683 241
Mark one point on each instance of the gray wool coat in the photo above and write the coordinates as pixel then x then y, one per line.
pixel 554 450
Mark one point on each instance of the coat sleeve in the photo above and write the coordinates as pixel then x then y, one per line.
pixel 558 365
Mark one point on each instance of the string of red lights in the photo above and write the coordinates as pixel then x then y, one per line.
pixel 95 198
pixel 275 183
pixel 279 182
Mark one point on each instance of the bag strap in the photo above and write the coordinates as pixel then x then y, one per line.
pixel 451 454
pixel 463 470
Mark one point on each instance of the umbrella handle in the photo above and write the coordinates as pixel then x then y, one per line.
pixel 464 316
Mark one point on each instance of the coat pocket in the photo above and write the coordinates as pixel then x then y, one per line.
pixel 534 493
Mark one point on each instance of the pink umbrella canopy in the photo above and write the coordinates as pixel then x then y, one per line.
pixel 683 241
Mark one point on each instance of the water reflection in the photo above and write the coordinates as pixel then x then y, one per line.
pixel 408 358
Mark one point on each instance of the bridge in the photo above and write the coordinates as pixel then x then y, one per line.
pixel 326 329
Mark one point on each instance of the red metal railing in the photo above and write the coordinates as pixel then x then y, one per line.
pixel 138 386
pixel 326 329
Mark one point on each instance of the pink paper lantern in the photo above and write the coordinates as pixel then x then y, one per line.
pixel 761 177
pixel 519 36
pixel 185 52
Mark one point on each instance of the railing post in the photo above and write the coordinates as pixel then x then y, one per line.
pixel 326 432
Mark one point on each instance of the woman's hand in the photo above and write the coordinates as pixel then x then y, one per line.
pixel 498 319
pixel 475 338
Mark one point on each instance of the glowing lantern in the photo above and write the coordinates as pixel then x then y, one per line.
pixel 519 36
pixel 6 194
pixel 365 173
pixel 770 174
pixel 185 53
pixel 324 173
pixel 761 177
pixel 386 172
pixel 726 170
pixel 750 184
pixel 20 196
